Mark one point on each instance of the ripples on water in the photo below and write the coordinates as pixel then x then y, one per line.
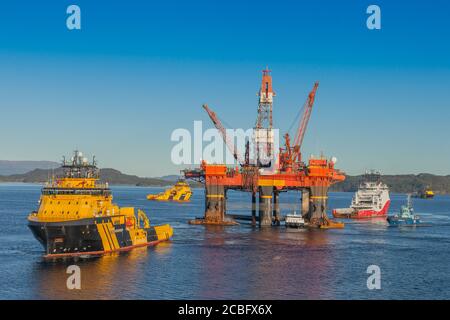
pixel 238 262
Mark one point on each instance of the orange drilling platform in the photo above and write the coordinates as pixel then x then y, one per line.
pixel 268 174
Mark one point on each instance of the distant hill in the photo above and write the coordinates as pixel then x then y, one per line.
pixel 21 167
pixel 397 183
pixel 112 176
pixel 407 183
pixel 172 177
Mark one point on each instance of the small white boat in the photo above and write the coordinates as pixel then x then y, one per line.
pixel 294 220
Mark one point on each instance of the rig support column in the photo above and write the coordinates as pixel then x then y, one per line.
pixel 318 213
pixel 265 206
pixel 215 206
pixel 276 208
pixel 215 203
pixel 305 202
pixel 253 208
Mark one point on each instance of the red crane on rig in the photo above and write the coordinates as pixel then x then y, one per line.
pixel 290 156
pixel 230 143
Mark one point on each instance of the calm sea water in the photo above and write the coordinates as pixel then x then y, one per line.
pixel 238 262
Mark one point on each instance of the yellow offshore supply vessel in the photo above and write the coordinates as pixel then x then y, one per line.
pixel 180 192
pixel 76 216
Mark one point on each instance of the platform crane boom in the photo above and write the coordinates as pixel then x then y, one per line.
pixel 307 107
pixel 230 144
pixel 290 156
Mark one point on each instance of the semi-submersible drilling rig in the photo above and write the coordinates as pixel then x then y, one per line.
pixel 287 171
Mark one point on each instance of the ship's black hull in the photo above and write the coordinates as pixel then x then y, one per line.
pixel 85 236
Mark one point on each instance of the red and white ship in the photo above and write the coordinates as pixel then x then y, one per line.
pixel 370 201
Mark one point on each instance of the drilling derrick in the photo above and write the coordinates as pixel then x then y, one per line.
pixel 263 136
pixel 265 95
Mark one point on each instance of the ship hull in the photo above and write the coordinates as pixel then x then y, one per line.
pixel 88 237
pixel 350 213
pixel 396 221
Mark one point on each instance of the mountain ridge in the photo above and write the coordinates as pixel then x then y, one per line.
pixel 112 176
pixel 9 167
pixel 405 183
pixel 401 183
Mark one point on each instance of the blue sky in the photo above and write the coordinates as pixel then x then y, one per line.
pixel 140 69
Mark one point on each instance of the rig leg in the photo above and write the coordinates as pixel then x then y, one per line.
pixel 253 209
pixel 276 208
pixel 317 214
pixel 215 203
pixel 305 202
pixel 265 206
pixel 215 206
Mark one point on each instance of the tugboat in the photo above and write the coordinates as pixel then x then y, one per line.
pixel 180 192
pixel 76 216
pixel 370 201
pixel 406 216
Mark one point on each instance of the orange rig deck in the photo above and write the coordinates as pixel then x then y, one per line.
pixel 287 172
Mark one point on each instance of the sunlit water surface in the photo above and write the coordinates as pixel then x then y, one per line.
pixel 239 262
